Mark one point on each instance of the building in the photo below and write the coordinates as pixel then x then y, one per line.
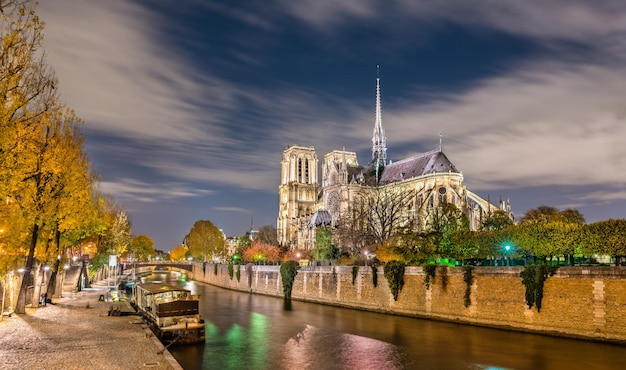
pixel 430 178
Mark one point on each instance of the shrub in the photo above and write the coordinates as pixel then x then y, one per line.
pixel 429 274
pixel 533 278
pixel 288 272
pixel 375 276
pixel 394 272
pixel 215 269
pixel 355 271
pixel 238 273
pixel 230 270
pixel 443 272
pixel 468 278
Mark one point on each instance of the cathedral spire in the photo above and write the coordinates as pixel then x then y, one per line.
pixel 379 145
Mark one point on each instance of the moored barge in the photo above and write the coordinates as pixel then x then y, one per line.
pixel 171 312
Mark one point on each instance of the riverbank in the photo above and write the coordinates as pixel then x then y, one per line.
pixel 76 332
pixel 579 302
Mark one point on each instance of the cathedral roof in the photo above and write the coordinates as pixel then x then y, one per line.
pixel 320 218
pixel 422 164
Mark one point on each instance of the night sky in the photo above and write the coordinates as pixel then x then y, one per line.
pixel 189 104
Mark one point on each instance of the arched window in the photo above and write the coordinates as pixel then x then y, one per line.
pixel 443 197
pixel 306 170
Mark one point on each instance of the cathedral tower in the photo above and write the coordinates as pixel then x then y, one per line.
pixel 297 192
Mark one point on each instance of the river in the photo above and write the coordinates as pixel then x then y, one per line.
pixel 246 331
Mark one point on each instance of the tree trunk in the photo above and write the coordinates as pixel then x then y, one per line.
pixel 20 307
pixel 52 283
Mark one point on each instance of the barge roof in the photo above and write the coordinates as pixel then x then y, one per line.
pixel 154 288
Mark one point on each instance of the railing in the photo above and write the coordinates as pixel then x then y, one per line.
pixel 181 265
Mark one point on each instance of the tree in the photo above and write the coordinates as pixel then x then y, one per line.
pixel 110 232
pixel 441 223
pixel 463 244
pixel 324 247
pixel 206 241
pixel 387 211
pixel 377 214
pixel 35 130
pixel 243 242
pixel 497 220
pixel 267 234
pixel 606 237
pixel 352 231
pixel 540 213
pixel 546 232
pixel 141 248
pixel 547 213
pixel 261 252
pixel 178 253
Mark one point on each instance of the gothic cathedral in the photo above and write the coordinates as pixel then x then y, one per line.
pixel 429 177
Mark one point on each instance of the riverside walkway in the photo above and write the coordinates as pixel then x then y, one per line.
pixel 76 332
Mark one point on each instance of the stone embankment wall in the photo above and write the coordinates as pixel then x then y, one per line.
pixel 582 302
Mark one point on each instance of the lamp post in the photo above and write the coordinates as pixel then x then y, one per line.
pixel 507 248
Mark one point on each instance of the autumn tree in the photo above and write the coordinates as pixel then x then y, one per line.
pixel 141 248
pixel 261 252
pixel 205 241
pixel 39 140
pixel 178 253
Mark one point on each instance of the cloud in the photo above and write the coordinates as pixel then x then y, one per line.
pixel 123 80
pixel 607 196
pixel 545 19
pixel 542 121
pixel 545 124
pixel 147 192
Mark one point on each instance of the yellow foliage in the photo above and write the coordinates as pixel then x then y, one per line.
pixel 178 253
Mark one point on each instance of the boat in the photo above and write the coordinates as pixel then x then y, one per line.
pixel 128 280
pixel 171 312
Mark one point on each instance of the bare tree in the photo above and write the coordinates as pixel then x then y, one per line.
pixel 377 214
pixel 267 234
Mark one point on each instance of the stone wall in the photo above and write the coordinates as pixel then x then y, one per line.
pixel 584 302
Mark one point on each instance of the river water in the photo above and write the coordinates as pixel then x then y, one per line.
pixel 246 331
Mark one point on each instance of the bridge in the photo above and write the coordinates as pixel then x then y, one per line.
pixel 181 265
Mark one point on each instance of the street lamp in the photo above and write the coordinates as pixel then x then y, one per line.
pixel 507 248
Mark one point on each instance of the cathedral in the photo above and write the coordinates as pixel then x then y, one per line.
pixel 430 178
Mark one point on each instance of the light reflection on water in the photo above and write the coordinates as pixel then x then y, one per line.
pixel 350 351
pixel 246 331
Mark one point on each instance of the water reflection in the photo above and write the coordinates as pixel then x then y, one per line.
pixel 349 352
pixel 247 331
